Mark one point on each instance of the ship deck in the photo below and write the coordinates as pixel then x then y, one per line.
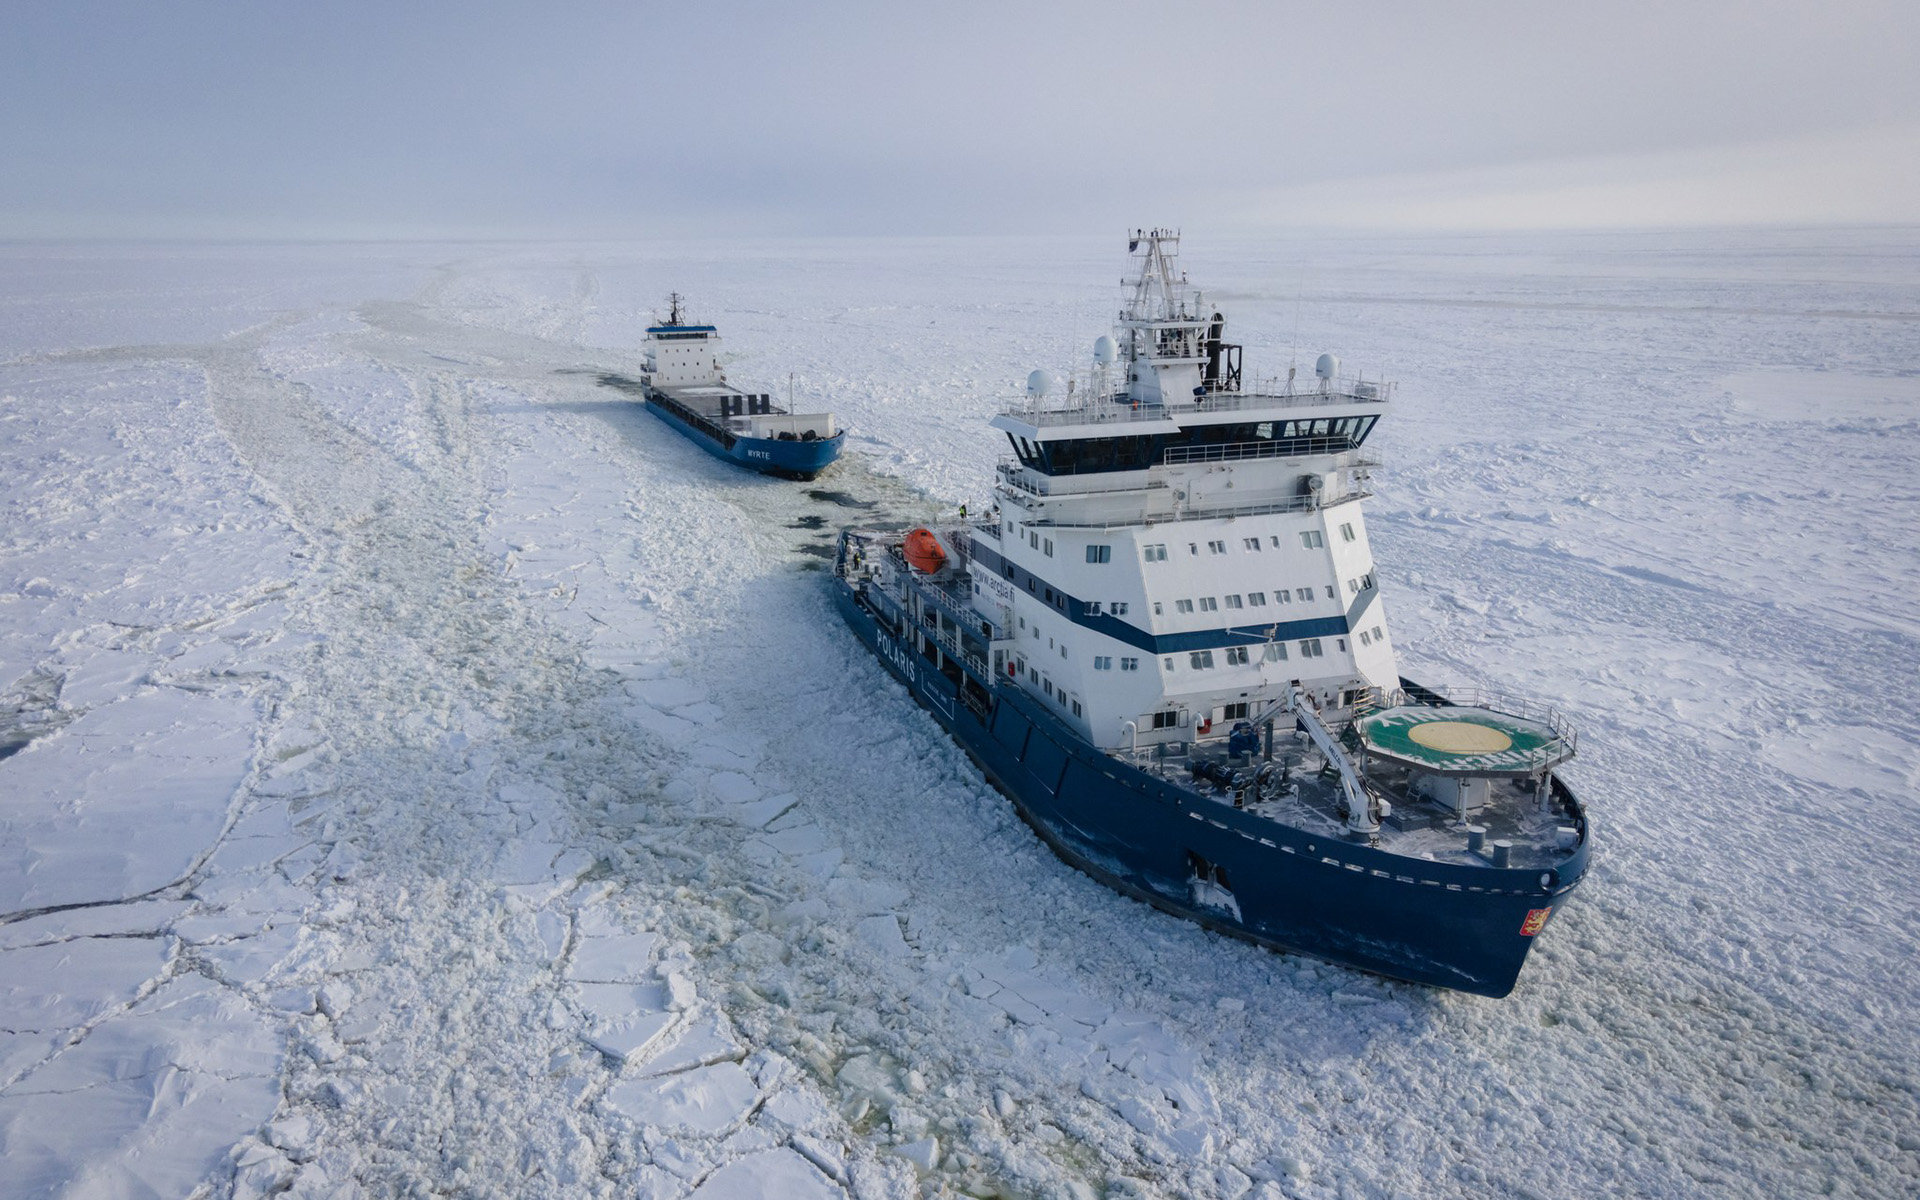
pixel 1308 798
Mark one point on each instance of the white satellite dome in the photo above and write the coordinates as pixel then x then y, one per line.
pixel 1326 366
pixel 1039 383
pixel 1103 350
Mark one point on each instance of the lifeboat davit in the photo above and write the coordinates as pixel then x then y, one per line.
pixel 923 551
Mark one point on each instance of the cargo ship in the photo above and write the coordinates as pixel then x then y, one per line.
pixel 684 385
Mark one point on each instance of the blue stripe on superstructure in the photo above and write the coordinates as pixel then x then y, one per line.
pixel 1080 613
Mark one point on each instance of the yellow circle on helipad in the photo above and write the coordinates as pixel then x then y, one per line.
pixel 1459 737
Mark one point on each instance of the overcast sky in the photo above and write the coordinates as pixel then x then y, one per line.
pixel 268 118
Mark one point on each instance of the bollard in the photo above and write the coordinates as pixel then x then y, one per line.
pixel 1476 838
pixel 1502 852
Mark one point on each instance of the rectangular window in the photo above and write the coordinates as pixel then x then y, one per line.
pixel 1310 648
pixel 1366 581
pixel 1129 664
pixel 1209 604
pixel 1183 606
pixel 1102 662
pixel 1346 533
pixel 1156 609
pixel 1307 594
pixel 1033 539
pixel 1275 652
pixel 1256 599
pixel 1331 593
pixel 1201 660
pixel 1276 541
pixel 1048 684
pixel 1093 607
pixel 1252 544
pixel 1378 636
pixel 1311 539
pixel 1283 596
pixel 1193 547
pixel 1156 552
pixel 1234 712
pixel 1118 608
pixel 1099 554
pixel 1366 639
pixel 1340 644
pixel 1049 548
pixel 1076 708
pixel 1353 585
pixel 1166 720
pixel 1216 547
pixel 1233 602
pixel 1236 656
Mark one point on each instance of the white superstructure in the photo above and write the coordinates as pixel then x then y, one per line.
pixel 1173 548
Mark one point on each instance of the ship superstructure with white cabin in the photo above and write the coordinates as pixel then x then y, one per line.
pixel 685 386
pixel 1169 647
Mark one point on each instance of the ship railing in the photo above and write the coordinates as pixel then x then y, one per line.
pixel 960 612
pixel 1087 409
pixel 1291 504
pixel 1277 448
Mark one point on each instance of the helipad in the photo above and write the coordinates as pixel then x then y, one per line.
pixel 1459 737
pixel 1462 740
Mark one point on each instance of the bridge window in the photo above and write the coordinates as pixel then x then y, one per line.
pixel 1099 554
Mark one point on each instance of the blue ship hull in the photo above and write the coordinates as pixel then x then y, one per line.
pixel 1430 923
pixel 770 456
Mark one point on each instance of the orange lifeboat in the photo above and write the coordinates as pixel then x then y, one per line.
pixel 923 551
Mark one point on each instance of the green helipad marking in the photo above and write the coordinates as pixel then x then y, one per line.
pixel 1441 738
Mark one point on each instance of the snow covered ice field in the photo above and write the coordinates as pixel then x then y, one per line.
pixel 421 771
